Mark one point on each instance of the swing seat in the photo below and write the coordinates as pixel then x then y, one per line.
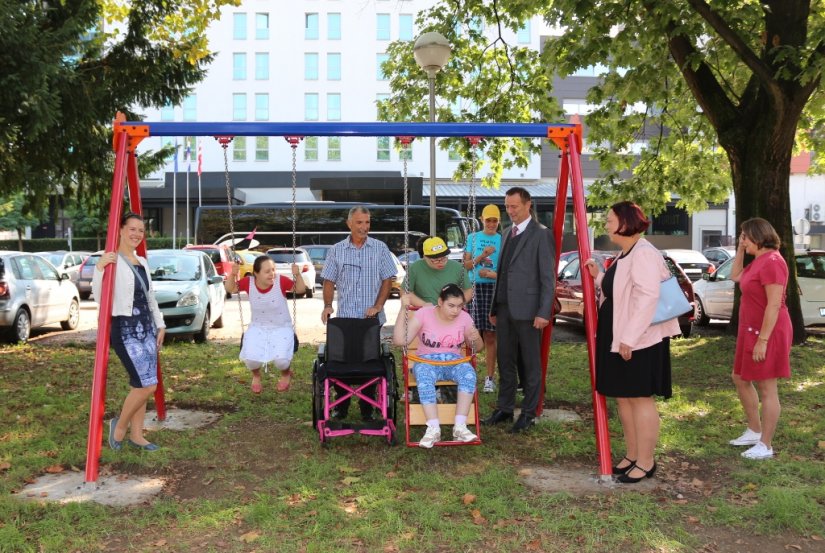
pixel 354 360
pixel 446 403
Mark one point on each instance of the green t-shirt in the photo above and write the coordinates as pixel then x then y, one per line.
pixel 426 282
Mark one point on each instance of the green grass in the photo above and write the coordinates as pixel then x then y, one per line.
pixel 259 480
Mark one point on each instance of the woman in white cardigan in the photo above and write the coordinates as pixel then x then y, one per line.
pixel 633 355
pixel 137 330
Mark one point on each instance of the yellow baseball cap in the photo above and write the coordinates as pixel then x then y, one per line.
pixel 490 212
pixel 435 247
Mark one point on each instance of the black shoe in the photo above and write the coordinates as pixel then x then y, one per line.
pixel 523 423
pixel 625 479
pixel 619 471
pixel 497 417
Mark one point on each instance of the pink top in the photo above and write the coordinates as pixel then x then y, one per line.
pixel 635 293
pixel 437 336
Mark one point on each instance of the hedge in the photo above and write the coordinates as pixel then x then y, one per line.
pixel 78 244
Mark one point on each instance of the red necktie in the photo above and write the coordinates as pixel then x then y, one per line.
pixel 514 231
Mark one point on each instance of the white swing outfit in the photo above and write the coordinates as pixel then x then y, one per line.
pixel 269 338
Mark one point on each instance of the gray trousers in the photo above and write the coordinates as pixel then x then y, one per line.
pixel 514 337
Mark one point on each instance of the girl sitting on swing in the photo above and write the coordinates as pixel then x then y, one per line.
pixel 270 337
pixel 441 330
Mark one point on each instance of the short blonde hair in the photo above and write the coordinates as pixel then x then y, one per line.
pixel 761 233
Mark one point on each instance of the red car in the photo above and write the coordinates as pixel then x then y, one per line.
pixel 570 294
pixel 221 256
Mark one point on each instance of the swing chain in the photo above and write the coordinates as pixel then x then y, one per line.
pixel 293 142
pixel 472 213
pixel 405 145
pixel 224 142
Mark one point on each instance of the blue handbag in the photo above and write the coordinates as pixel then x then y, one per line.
pixel 672 301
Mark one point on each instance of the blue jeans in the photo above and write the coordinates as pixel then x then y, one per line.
pixel 427 375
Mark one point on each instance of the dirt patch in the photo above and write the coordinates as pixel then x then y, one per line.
pixel 731 540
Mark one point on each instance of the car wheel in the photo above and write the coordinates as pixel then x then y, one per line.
pixel 218 322
pixel 74 317
pixel 21 327
pixel 700 318
pixel 85 295
pixel 202 336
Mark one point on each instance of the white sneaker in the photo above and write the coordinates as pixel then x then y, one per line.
pixel 431 436
pixel 462 434
pixel 489 385
pixel 759 451
pixel 748 437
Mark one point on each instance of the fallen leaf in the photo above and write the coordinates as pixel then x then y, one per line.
pixel 468 498
pixel 477 517
pixel 159 543
pixel 350 480
pixel 817 538
pixel 390 548
pixel 391 474
pixel 693 520
pixel 696 483
pixel 534 545
pixel 821 444
pixel 525 472
pixel 249 537
pixel 793 546
pixel 5 466
pixel 55 469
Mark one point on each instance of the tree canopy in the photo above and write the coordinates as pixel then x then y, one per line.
pixel 69 66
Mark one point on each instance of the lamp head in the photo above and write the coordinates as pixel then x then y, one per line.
pixel 432 52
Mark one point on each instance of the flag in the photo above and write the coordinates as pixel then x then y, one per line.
pixel 187 155
pixel 200 158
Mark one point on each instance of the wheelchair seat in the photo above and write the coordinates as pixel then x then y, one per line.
pixel 354 360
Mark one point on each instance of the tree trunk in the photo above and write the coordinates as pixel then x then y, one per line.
pixel 20 239
pixel 760 166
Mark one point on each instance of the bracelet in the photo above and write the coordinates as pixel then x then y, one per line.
pixel 327 305
pixel 761 339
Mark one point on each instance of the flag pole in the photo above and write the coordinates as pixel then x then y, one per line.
pixel 200 170
pixel 188 156
pixel 175 200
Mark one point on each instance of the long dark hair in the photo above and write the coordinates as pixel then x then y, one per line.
pixel 451 290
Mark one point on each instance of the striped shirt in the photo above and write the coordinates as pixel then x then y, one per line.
pixel 358 274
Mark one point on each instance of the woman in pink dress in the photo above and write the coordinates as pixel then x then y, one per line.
pixel 763 343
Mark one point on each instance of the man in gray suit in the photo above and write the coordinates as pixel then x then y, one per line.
pixel 522 307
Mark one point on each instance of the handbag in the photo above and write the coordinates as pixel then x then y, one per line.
pixel 672 301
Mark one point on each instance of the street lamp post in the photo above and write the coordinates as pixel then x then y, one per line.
pixel 432 52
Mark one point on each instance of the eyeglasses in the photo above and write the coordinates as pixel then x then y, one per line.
pixel 439 260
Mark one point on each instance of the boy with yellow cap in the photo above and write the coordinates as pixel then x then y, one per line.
pixel 481 259
pixel 428 275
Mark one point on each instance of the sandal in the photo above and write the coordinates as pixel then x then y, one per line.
pixel 283 386
pixel 617 470
pixel 256 387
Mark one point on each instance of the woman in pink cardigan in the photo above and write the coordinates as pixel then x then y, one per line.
pixel 633 355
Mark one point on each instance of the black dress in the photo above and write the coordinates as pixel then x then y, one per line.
pixel 646 374
pixel 134 338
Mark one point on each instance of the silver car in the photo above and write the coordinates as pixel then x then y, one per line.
pixel 285 257
pixel 189 292
pixel 66 262
pixel 714 294
pixel 33 294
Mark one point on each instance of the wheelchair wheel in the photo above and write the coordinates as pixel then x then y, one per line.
pixel 317 399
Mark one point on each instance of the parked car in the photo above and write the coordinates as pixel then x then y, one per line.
pixel 692 262
pixel 714 294
pixel 247 262
pixel 571 296
pixel 285 257
pixel 66 262
pixel 318 254
pixel 564 259
pixel 400 275
pixel 189 292
pixel 719 254
pixel 32 294
pixel 220 254
pixel 85 274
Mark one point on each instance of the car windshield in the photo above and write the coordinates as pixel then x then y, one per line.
pixel 55 259
pixel 810 266
pixel 175 267
pixel 287 257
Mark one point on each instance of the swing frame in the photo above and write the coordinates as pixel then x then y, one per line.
pixel 127 135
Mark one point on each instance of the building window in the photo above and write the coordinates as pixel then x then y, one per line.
pixel 310 107
pixel 261 148
pixel 382 25
pixel 239 66
pixel 334 67
pixel 239 26
pixel 577 107
pixel 311 26
pixel 453 154
pixel 334 148
pixel 261 26
pixel 378 99
pixel 167 113
pixel 334 26
pixel 311 66
pixel 591 71
pixel 190 108
pixel 333 107
pixel 261 107
pixel 383 152
pixel 239 107
pixel 405 27
pixel 311 148
pixel 239 148
pixel 262 66
pixel 523 35
pixel 380 59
